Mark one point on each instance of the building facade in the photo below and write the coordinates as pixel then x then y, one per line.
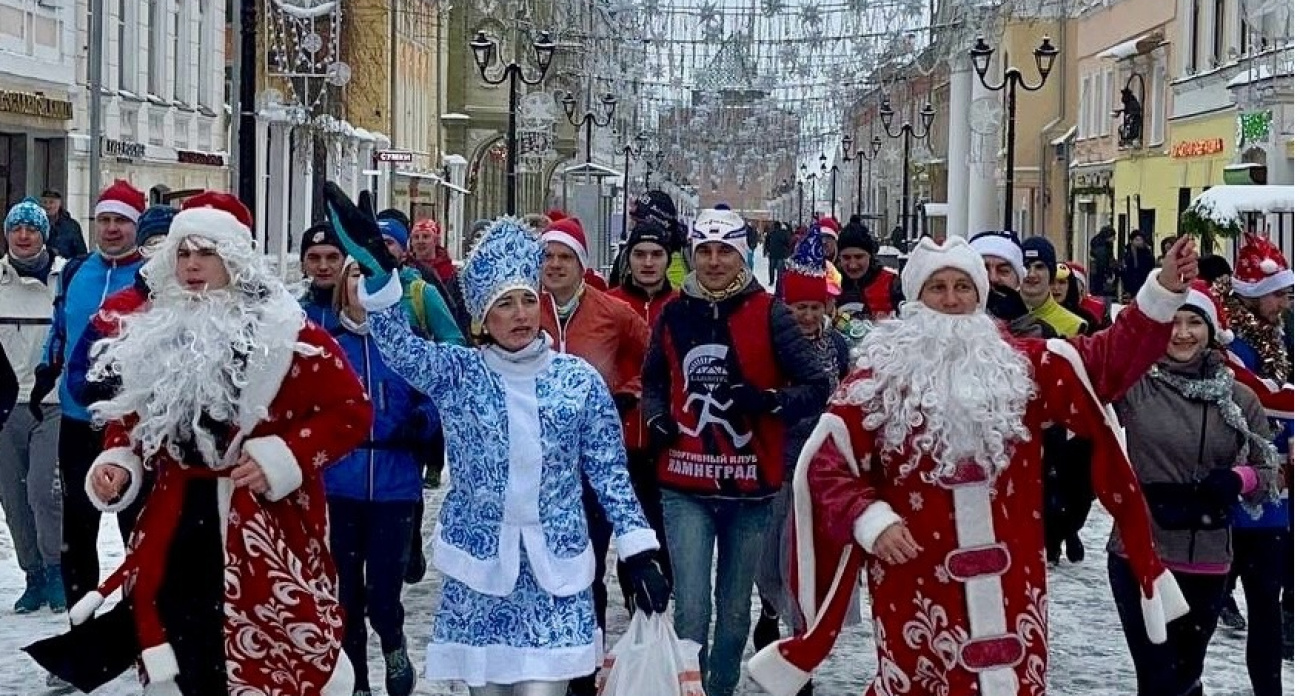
pixel 38 75
pixel 164 108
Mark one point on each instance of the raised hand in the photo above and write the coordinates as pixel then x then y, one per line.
pixel 1178 268
pixel 358 231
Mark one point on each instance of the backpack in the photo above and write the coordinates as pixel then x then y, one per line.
pixel 421 323
pixel 60 297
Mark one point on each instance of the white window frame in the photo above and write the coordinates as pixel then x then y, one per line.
pixel 128 72
pixel 180 52
pixel 1085 108
pixel 207 48
pixel 156 14
pixel 1159 90
pixel 1102 106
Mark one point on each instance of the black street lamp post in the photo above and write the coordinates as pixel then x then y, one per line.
pixel 1012 78
pixel 630 152
pixel 485 55
pixel 847 143
pixel 589 119
pixel 906 132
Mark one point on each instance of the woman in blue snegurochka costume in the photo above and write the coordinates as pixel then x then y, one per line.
pixel 523 424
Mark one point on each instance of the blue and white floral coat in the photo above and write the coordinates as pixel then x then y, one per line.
pixel 521 430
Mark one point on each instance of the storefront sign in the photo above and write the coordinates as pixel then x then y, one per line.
pixel 394 156
pixel 122 150
pixel 1197 148
pixel 39 105
pixel 206 159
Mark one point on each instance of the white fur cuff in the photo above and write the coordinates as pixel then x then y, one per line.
pixel 160 663
pixel 777 675
pixel 1167 605
pixel 386 297
pixel 127 459
pixel 283 474
pixel 634 542
pixel 1157 302
pixel 878 517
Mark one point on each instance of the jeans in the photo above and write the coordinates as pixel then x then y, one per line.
pixel 29 492
pixel 79 444
pixel 370 542
pixel 1174 667
pixel 1262 559
pixel 738 527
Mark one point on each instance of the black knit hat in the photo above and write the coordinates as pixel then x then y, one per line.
pixel 855 236
pixel 652 232
pixel 1211 267
pixel 320 234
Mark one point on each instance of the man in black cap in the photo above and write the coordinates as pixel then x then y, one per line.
pixel 866 286
pixel 654 207
pixel 777 247
pixel 321 256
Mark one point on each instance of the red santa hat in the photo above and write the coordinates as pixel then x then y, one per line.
pixel 121 198
pixel 556 215
pixel 1261 269
pixel 568 231
pixel 1078 271
pixel 1202 299
pixel 829 226
pixel 213 215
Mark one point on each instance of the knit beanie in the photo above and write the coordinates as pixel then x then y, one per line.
pixel 393 227
pixel 29 213
pixel 155 222
pixel 652 233
pixel 1039 249
pixel 855 236
pixel 319 234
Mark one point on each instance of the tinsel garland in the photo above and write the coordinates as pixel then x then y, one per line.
pixel 1265 338
pixel 1217 389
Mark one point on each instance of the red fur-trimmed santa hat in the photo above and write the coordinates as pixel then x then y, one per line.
pixel 568 231
pixel 1261 269
pixel 121 198
pixel 829 226
pixel 213 215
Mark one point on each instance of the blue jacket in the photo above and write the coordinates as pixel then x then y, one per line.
pixel 1275 514
pixel 385 467
pixel 75 304
pixel 319 306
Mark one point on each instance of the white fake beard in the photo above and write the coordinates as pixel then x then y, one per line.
pixel 178 360
pixel 947 386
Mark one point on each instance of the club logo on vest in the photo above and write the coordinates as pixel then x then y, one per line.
pixel 705 368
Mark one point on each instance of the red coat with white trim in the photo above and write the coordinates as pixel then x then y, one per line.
pixel 281 587
pixel 967 617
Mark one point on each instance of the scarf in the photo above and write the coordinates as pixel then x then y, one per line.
pixel 740 283
pixel 528 352
pixel 1265 338
pixel 564 311
pixel 1217 389
pixel 36 266
pixel 361 328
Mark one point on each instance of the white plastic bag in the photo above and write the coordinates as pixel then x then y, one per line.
pixel 649 660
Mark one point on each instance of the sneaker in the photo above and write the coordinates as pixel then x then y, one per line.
pixel 54 595
pixel 33 596
pixel 767 629
pixel 399 676
pixel 1231 617
pixel 1074 548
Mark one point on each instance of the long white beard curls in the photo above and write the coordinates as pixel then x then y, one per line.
pixel 944 386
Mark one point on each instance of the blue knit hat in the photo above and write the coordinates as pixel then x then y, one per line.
pixel 390 227
pixel 507 258
pixel 155 222
pixel 28 212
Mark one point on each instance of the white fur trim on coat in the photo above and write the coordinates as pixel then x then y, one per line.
pixel 159 663
pixel 85 607
pixel 283 473
pixel 873 521
pixel 210 223
pixel 127 459
pixel 832 427
pixel 777 675
pixel 1157 302
pixel 636 541
pixel 1167 605
pixel 386 297
pixel 1267 285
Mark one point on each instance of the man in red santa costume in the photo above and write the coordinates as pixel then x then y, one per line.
pixel 237 403
pixel 927 471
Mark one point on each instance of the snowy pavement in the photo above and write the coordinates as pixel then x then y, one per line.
pixel 1088 652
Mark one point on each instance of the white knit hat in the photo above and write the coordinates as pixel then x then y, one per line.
pixel 725 226
pixel 927 258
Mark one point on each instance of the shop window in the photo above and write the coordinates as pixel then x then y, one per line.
pixel 1194 40
pixel 207 51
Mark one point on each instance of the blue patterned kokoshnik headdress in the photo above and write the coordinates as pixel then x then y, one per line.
pixel 506 258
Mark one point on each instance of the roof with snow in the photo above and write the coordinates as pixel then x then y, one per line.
pixel 1225 204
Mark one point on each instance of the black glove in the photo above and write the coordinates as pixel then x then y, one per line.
pixel 662 432
pixel 1220 489
pixel 47 378
pixel 359 230
pixel 626 402
pixel 649 588
pixel 751 400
